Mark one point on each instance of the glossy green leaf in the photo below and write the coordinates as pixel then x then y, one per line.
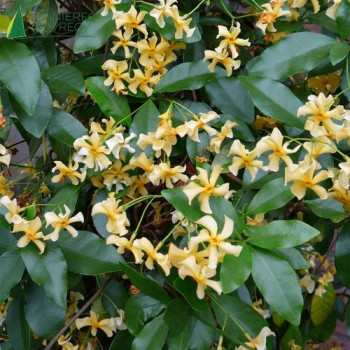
pixel 44 51
pixel 11 271
pixel 146 284
pixel 38 122
pixel 281 234
pixel 328 208
pixel 235 270
pixel 339 52
pixel 324 331
pixel 229 95
pixel 342 19
pixel 198 149
pixel 20 73
pixel 7 241
pixel 322 20
pixel 64 79
pixel 110 103
pixel 122 340
pixel 93 32
pixel 68 196
pixel 273 99
pixel 152 336
pixel 48 270
pixel 342 255
pixel 44 316
pixel 139 309
pixel 46 16
pixel 272 195
pixel 88 254
pixel 278 284
pixel 175 316
pixel 295 53
pixel 294 257
pixel 322 306
pixel 187 76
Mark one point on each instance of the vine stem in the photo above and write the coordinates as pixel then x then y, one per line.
pixel 79 313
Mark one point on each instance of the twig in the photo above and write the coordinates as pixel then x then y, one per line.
pixel 80 312
pixel 235 179
pixel 105 57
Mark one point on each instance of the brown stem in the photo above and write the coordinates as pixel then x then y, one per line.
pixel 235 179
pixel 79 313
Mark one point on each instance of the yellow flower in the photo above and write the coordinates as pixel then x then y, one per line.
pixel 109 5
pixel 138 186
pixel 163 172
pixel 151 52
pixel 225 132
pixel 201 274
pixel 245 159
pixel 274 143
pixel 68 171
pixel 221 58
pixel 5 157
pixel 11 216
pixel 145 81
pixel 323 281
pixel 161 11
pixel 275 37
pixel 257 220
pixel 341 194
pixel 74 298
pixel 206 188
pixel 116 175
pixel 257 307
pixel 230 39
pixel 326 84
pixel 124 244
pixel 142 162
pixel 259 342
pixel 117 142
pixel 304 178
pixel 181 24
pixel 110 125
pixel 117 219
pixel 91 151
pixel 5 189
pixel 301 3
pixel 130 21
pixel 153 255
pixel 265 122
pixel 308 283
pixel 273 10
pixel 117 74
pixel 62 222
pixel 108 325
pixel 316 147
pixel 294 346
pixel 66 344
pixel 332 10
pixel 31 233
pixel 124 42
pixel 216 242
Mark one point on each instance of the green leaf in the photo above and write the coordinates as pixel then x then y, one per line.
pixel 44 51
pixel 295 53
pixel 229 95
pixel 7 240
pixel 45 318
pixel 195 149
pixel 175 316
pixel 152 336
pixel 110 103
pixel 294 257
pixel 292 333
pixel 11 271
pixel 49 271
pixel 328 208
pixel 146 284
pixel 347 319
pixel 273 99
pixel 38 122
pixel 339 52
pixel 68 196
pixel 16 27
pixel 235 270
pixel 93 32
pixel 20 73
pixel 323 332
pixel 122 340
pixel 322 306
pixel 278 283
pixel 64 79
pixel 322 20
pixel 342 19
pixel 17 326
pixel 342 255
pixel 46 16
pixel 272 195
pixel 281 234
pixel 88 254
pixel 187 76
pixel 139 309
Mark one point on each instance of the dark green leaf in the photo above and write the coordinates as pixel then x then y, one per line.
pixel 20 73
pixel 49 271
pixel 64 79
pixel 68 196
pixel 231 97
pixel 323 332
pixel 342 19
pixel 322 306
pixel 187 76
pixel 44 50
pixel 347 319
pixel 322 20
pixel 110 103
pixel 278 283
pixel 273 99
pixel 139 309
pixel 46 17
pixel 235 270
pixel 342 255
pixel 339 52
pixel 122 340
pixel 7 240
pixel 294 257
pixel 11 271
pixel 295 53
pixel 152 335
pixel 272 195
pixel 175 316
pixel 281 234
pixel 292 333
pixel 45 318
pixel 93 32
pixel 328 208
